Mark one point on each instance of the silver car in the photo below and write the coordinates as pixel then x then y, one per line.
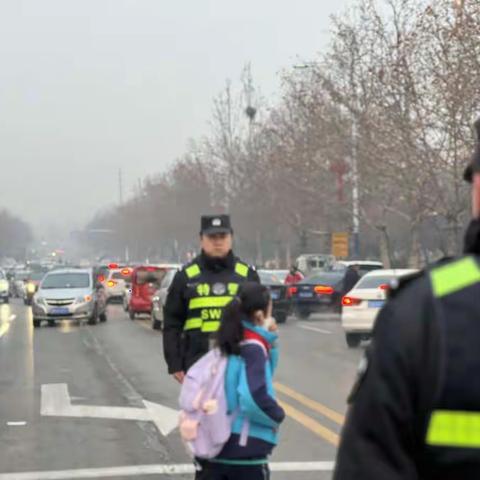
pixel 72 294
pixel 160 298
pixel 4 288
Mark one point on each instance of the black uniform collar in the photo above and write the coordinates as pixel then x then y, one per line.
pixel 217 264
pixel 472 238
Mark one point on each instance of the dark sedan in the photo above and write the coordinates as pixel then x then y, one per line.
pixel 319 292
pixel 278 292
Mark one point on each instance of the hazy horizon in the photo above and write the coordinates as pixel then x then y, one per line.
pixel 89 87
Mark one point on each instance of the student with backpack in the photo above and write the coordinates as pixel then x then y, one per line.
pixel 230 417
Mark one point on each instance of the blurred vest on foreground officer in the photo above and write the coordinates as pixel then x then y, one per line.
pixel 199 293
pixel 415 409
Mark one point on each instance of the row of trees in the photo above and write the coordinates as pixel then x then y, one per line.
pixel 375 132
pixel 15 236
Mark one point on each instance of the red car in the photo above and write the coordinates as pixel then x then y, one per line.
pixel 145 282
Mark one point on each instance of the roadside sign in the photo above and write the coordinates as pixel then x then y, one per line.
pixel 340 244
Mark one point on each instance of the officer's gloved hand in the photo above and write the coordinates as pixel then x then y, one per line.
pixel 472 238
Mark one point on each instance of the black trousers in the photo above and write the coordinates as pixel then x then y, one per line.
pixel 217 471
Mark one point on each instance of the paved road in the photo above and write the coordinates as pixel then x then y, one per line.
pixel 120 364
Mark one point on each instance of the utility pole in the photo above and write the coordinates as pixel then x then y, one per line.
pixel 354 159
pixel 120 187
pixel 355 191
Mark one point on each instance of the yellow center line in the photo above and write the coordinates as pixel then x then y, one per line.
pixel 311 424
pixel 4 327
pixel 312 404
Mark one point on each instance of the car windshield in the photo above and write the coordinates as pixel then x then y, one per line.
pixel 66 280
pixel 36 277
pixel 150 276
pixel 22 274
pixel 167 280
pixel 329 279
pixel 121 276
pixel 374 281
pixel 270 277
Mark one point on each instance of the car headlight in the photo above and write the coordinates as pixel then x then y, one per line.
pixel 39 300
pixel 84 299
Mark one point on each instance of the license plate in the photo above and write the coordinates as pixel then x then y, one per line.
pixel 59 311
pixel 275 294
pixel 305 294
pixel 324 299
pixel 376 303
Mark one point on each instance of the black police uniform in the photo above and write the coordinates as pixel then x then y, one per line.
pixel 197 298
pixel 415 409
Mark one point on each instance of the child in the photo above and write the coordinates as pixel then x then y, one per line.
pixel 247 336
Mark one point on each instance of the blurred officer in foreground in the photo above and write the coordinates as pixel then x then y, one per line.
pixel 199 294
pixel 415 409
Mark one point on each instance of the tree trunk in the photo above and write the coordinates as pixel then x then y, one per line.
pixel 414 259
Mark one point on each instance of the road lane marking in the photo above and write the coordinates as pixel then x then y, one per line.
pixel 312 404
pixel 4 328
pixel 315 329
pixel 12 317
pixel 56 402
pixel 180 469
pixel 310 424
pixel 16 424
pixel 145 325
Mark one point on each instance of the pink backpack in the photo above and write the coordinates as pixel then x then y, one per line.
pixel 205 425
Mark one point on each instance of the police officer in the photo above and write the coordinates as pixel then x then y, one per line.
pixel 415 409
pixel 199 293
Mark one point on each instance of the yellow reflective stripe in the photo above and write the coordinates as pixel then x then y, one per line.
pixel 209 302
pixel 203 289
pixel 193 323
pixel 233 289
pixel 209 327
pixel 193 271
pixel 455 276
pixel 241 269
pixel 449 428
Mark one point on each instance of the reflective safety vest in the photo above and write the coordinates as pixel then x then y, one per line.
pixel 455 421
pixel 209 295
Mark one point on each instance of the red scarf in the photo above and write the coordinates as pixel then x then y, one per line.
pixel 250 335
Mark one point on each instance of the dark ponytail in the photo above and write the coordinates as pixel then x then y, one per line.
pixel 251 298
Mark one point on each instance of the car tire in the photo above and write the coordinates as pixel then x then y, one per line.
pixel 131 314
pixel 353 340
pixel 36 323
pixel 103 317
pixel 156 324
pixel 93 320
pixel 52 323
pixel 303 314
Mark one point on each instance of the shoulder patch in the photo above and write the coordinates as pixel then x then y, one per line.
pixel 192 270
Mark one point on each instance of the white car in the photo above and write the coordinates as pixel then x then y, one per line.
pixel 362 304
pixel 364 266
pixel 116 282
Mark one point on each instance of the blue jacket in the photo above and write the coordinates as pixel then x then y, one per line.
pixel 249 391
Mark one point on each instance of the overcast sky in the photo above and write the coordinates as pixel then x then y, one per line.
pixel 89 86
